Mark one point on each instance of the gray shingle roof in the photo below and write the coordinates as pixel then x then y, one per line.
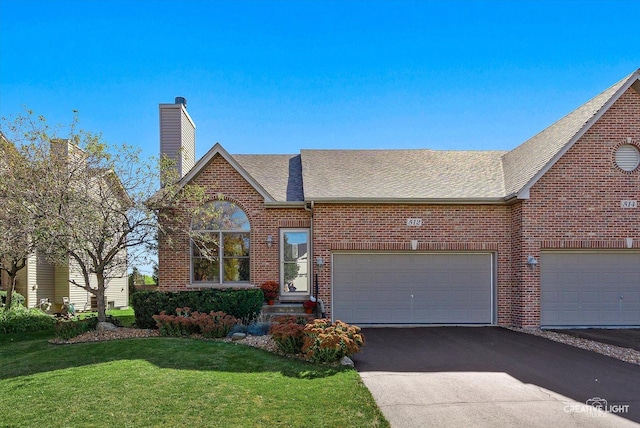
pixel 280 175
pixel 401 174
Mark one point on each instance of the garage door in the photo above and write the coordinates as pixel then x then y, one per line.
pixel 413 288
pixel 590 289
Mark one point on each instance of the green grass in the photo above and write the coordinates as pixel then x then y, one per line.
pixel 173 382
pixel 126 316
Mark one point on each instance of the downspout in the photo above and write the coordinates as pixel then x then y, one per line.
pixel 309 207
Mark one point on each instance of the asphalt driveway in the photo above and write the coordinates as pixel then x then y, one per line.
pixel 489 376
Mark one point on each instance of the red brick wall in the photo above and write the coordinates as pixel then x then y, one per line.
pixel 444 228
pixel 576 204
pixel 218 177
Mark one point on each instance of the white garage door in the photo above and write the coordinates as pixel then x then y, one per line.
pixel 413 288
pixel 590 289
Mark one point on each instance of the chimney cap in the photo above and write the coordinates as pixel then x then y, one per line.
pixel 181 100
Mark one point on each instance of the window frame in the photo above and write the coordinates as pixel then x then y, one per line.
pixel 221 256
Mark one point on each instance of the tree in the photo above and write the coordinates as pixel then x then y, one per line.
pixel 89 200
pixel 17 223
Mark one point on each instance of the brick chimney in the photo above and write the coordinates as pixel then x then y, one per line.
pixel 178 135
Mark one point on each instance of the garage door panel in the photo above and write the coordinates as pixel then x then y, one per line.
pixel 595 298
pixel 421 288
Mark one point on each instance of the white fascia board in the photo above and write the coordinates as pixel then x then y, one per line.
pixel 285 204
pixel 413 201
pixel 524 192
pixel 218 149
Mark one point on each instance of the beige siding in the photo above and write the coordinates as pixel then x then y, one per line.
pixel 21 281
pixel 45 281
pixel 61 284
pixel 80 298
pixel 188 158
pixel 177 136
pixel 117 292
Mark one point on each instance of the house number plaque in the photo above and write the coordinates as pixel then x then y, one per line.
pixel 629 204
pixel 414 222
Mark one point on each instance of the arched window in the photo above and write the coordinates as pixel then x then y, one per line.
pixel 220 244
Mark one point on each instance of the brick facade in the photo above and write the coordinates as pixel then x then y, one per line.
pixel 575 204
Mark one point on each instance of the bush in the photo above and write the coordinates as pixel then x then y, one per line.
pixel 19 319
pixel 17 299
pixel 67 329
pixel 326 342
pixel 288 336
pixel 184 323
pixel 244 304
pixel 287 319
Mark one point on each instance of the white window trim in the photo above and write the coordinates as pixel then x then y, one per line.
pixel 221 283
pixel 295 295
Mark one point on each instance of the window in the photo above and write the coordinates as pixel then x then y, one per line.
pixel 220 242
pixel 627 157
pixel 294 261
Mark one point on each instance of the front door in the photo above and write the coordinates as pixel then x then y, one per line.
pixel 294 264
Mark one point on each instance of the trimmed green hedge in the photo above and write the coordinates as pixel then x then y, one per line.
pixel 244 304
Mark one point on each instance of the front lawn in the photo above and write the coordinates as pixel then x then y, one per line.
pixel 173 382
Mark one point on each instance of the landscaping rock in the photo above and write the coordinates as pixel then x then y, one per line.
pixel 238 336
pixel 346 361
pixel 106 326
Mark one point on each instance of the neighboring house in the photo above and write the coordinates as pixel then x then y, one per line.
pixel 547 234
pixel 41 281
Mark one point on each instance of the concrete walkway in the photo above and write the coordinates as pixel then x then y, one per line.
pixel 493 377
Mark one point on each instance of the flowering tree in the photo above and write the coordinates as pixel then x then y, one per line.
pixel 89 201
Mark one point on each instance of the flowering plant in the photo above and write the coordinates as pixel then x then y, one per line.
pixel 309 304
pixel 270 289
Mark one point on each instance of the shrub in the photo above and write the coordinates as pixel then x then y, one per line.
pixel 288 336
pixel 244 304
pixel 184 323
pixel 288 319
pixel 327 342
pixel 19 319
pixel 67 329
pixel 17 299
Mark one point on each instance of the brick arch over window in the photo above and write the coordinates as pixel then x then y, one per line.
pixel 220 244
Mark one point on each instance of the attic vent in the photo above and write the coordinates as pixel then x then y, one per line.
pixel 627 157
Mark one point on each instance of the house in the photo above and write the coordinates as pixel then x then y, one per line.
pixel 48 286
pixel 546 234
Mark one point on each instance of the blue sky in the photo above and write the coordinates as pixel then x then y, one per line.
pixel 274 77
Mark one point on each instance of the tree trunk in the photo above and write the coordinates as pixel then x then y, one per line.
pixel 102 312
pixel 12 287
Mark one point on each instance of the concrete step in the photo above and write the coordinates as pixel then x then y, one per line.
pixel 278 309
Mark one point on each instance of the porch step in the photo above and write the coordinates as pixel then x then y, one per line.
pixel 278 309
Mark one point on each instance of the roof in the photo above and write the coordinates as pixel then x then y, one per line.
pixel 401 174
pixel 280 175
pixel 417 175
